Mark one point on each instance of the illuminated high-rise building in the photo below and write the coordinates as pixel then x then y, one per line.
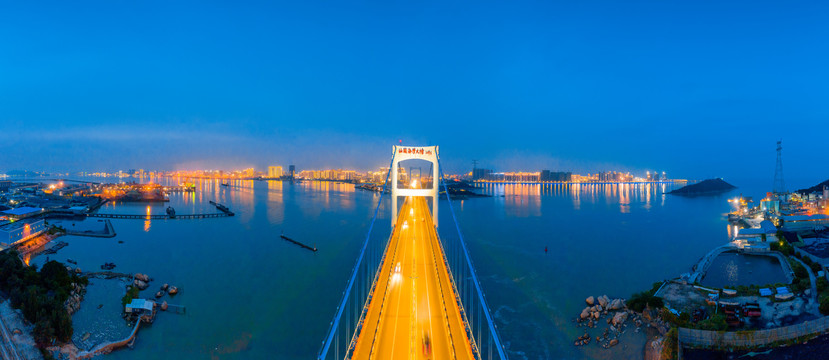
pixel 274 172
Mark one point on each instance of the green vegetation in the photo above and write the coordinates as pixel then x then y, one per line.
pixel 824 306
pixel 670 346
pixel 799 271
pixel 822 284
pixel 132 293
pixel 716 322
pixel 800 285
pixel 39 295
pixel 782 246
pixel 639 301
pixel 747 290
pixel 54 229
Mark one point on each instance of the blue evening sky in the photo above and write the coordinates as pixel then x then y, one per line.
pixel 695 88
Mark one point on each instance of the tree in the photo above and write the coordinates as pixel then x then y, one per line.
pixel 822 284
pixel 799 271
pixel 55 276
pixel 824 306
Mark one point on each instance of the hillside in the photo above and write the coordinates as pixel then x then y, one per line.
pixel 816 188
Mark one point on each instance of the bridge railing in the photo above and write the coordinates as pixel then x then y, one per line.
pixel 480 325
pixel 347 322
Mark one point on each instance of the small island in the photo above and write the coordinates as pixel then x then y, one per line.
pixel 705 187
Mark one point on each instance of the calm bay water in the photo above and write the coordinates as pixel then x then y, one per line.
pixel 250 294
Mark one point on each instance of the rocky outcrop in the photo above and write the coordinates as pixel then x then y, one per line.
pixel 140 284
pixel 73 303
pixel 604 310
pixel 173 290
pixel 143 277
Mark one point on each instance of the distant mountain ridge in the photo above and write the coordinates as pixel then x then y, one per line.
pixel 816 188
pixel 705 187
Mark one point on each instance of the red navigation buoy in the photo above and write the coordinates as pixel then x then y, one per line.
pixel 545 249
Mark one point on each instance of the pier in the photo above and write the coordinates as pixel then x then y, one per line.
pixel 107 233
pixel 107 348
pixel 160 217
pixel 314 249
pixel 175 189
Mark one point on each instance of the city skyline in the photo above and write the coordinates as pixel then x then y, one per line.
pixel 686 88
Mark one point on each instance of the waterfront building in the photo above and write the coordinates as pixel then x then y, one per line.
pixel 771 204
pixel 22 212
pixel 481 174
pixel 5 185
pixel 18 231
pixel 766 228
pixel 547 175
pixel 292 171
pixel 515 176
pixel 274 171
pixel 139 305
pixel 803 222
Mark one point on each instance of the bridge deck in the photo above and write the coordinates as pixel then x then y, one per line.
pixel 416 301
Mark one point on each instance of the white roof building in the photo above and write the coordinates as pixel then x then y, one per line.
pixel 139 304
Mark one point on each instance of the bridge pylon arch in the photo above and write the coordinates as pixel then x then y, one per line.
pixel 426 153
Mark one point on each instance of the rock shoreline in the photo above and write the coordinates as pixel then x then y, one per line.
pixel 615 317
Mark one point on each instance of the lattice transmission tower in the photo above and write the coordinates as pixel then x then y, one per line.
pixel 779 184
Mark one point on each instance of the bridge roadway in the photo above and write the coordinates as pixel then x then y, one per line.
pixel 415 301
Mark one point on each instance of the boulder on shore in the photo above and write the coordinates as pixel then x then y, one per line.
pixel 142 277
pixel 616 304
pixel 164 306
pixel 585 313
pixel 141 285
pixel 620 318
pixel 173 290
pixel 603 300
pixel 590 300
pixel 164 287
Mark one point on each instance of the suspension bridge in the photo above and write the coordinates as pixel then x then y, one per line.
pixel 415 294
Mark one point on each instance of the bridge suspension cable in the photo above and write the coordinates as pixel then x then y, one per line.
pixel 333 333
pixel 491 337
